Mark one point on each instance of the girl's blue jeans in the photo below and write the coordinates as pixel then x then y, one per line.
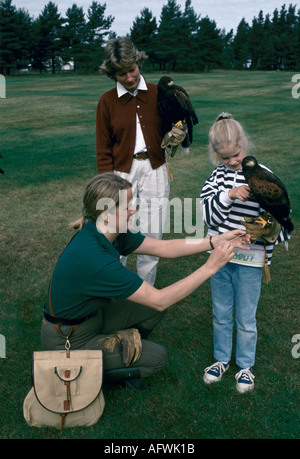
pixel 235 290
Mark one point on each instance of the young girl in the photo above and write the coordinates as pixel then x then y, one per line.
pixel 236 287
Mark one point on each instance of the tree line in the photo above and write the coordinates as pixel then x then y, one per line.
pixel 181 40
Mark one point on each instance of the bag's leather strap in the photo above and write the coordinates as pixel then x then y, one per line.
pixel 74 327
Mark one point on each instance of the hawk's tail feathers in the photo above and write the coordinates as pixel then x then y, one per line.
pixel 288 225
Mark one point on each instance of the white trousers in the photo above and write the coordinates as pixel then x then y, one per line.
pixel 150 191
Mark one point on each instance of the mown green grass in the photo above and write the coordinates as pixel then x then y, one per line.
pixel 48 148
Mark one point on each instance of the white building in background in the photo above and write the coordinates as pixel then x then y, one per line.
pixel 68 67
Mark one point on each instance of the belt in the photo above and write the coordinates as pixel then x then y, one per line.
pixel 58 321
pixel 141 156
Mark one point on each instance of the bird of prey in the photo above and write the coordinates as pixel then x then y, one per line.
pixel 175 106
pixel 269 192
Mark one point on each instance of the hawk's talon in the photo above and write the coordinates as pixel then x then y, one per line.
pixel 261 221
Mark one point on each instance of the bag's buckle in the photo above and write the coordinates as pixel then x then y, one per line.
pixel 67 344
pixel 67 347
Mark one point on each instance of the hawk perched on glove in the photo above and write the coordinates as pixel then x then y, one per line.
pixel 175 106
pixel 269 192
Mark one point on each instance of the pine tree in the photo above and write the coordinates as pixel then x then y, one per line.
pixel 298 41
pixel 187 45
pixel 228 52
pixel 268 58
pixel 257 41
pixel 74 37
pixel 15 29
pixel 166 40
pixel 277 32
pixel 290 39
pixel 143 32
pixel 47 38
pixel 241 45
pixel 97 30
pixel 209 45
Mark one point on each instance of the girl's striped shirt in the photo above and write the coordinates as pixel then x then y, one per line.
pixel 221 214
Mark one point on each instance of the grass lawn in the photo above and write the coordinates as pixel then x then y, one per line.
pixel 48 148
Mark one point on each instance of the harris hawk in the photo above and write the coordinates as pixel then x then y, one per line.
pixel 269 192
pixel 176 109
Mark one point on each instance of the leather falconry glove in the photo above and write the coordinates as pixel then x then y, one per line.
pixel 265 226
pixel 129 342
pixel 173 138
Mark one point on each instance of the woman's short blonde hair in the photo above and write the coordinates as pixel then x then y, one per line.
pixel 226 131
pixel 120 53
pixel 102 186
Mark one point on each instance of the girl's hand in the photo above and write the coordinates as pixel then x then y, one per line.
pixel 240 192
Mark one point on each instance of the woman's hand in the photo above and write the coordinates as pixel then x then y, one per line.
pixel 220 256
pixel 161 299
pixel 238 238
pixel 240 192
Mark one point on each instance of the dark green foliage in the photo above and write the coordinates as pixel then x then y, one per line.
pixel 181 40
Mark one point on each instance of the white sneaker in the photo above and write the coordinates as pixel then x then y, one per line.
pixel 215 372
pixel 244 380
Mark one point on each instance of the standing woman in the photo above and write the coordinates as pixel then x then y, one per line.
pixel 128 137
pixel 112 308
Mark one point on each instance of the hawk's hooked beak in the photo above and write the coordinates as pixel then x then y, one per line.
pixel 250 163
pixel 171 83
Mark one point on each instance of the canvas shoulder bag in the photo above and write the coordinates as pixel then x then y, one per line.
pixel 66 386
pixel 66 389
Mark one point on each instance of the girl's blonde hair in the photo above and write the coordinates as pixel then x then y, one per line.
pixel 120 53
pixel 226 130
pixel 102 186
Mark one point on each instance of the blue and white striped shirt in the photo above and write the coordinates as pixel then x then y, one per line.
pixel 221 214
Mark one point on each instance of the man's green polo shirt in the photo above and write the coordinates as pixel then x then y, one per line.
pixel 89 273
